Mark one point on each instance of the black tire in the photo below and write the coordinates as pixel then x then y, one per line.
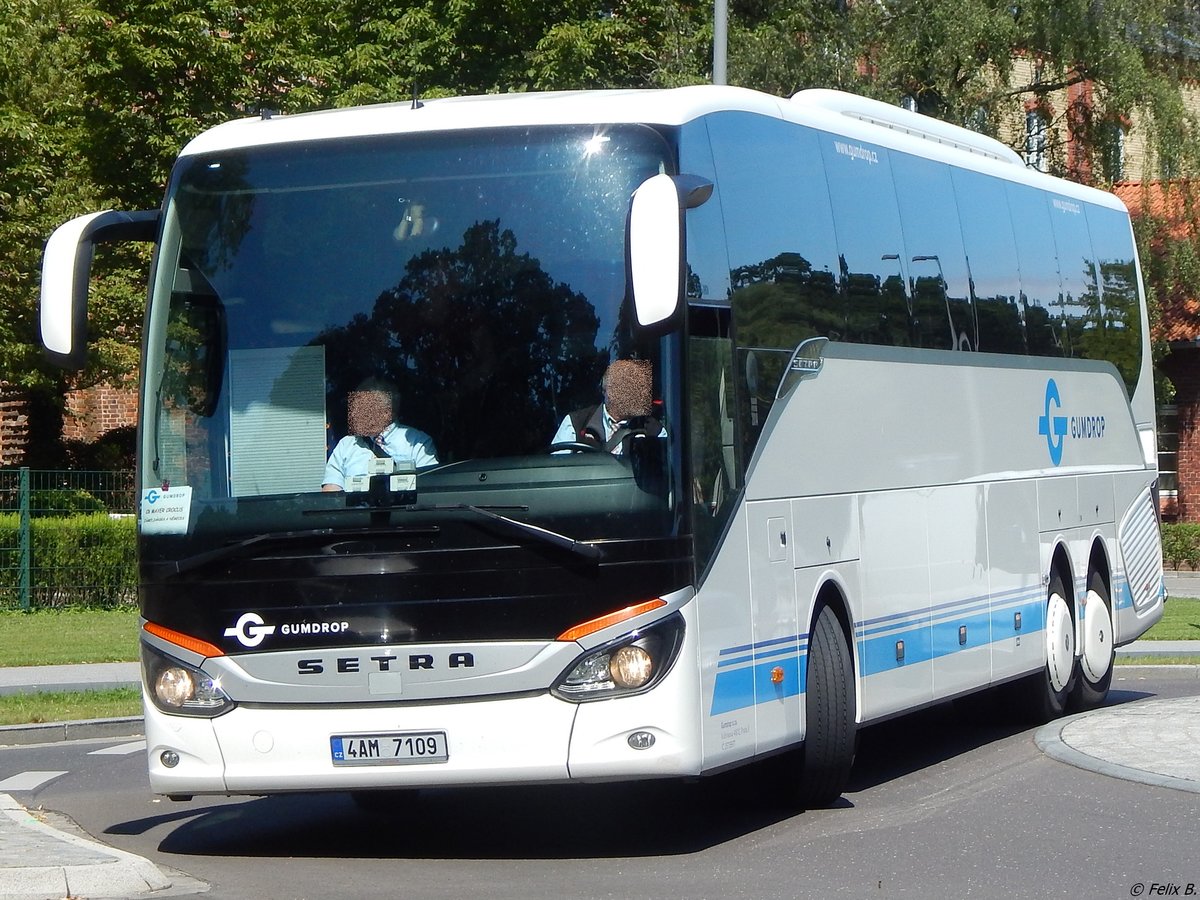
pixel 1044 695
pixel 830 729
pixel 1089 694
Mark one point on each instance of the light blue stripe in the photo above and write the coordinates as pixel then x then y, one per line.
pixel 734 690
pixel 743 681
pixel 741 688
pixel 946 635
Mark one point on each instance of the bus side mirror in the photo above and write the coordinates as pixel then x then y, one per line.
pixel 66 271
pixel 656 244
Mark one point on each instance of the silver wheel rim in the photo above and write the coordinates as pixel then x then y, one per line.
pixel 1060 642
pixel 1097 638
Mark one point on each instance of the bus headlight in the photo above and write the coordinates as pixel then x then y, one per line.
pixel 631 664
pixel 182 689
pixel 631 667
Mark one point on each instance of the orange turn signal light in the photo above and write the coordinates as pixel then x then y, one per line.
pixel 186 641
pixel 593 625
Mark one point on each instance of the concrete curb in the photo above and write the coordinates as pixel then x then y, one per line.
pixel 1051 741
pixel 93 870
pixel 65 687
pixel 50 732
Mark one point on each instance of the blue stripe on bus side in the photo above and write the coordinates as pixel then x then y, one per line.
pixel 739 688
pixel 926 637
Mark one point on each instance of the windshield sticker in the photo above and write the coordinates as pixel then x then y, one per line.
pixel 165 510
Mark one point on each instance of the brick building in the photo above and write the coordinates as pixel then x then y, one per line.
pixel 89 415
pixel 1170 202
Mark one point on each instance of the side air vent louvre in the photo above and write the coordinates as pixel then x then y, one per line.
pixel 1141 549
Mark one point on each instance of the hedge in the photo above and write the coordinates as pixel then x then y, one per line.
pixel 91 560
pixel 85 561
pixel 1181 545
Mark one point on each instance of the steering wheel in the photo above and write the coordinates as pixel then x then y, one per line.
pixel 577 446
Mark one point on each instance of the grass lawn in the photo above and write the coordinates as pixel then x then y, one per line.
pixel 1180 621
pixel 20 709
pixel 57 637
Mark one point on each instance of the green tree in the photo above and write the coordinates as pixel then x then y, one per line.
pixel 983 63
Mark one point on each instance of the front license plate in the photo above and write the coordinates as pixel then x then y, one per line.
pixel 389 749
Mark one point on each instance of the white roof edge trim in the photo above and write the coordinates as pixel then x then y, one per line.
pixel 893 118
pixel 668 107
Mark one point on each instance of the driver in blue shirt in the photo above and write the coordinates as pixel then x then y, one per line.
pixel 373 431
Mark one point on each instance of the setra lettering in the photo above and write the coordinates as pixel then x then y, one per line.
pixel 349 665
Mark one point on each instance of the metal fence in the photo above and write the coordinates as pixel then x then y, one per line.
pixel 67 538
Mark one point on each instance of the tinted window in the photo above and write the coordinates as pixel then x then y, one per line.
pixel 708 265
pixel 867 223
pixel 782 254
pixel 991 250
pixel 1039 270
pixel 1117 335
pixel 714 470
pixel 937 268
pixel 1079 301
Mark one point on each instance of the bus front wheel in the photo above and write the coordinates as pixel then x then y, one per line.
pixel 830 729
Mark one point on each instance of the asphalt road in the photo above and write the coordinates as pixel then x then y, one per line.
pixel 945 803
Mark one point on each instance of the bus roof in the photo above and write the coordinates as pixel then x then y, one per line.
pixel 656 107
pixel 846 115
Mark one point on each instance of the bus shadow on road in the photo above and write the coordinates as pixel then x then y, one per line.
pixel 540 822
pixel 900 747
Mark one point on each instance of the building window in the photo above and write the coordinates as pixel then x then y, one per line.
pixel 1035 140
pixel 1168 451
pixel 1114 154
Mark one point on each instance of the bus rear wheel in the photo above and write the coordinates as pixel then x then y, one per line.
pixel 1098 652
pixel 1047 692
pixel 830 728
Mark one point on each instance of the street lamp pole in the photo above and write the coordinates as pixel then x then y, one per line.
pixel 720 41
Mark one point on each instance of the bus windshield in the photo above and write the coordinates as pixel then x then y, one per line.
pixel 348 329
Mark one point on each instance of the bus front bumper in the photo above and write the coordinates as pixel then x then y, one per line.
pixel 532 739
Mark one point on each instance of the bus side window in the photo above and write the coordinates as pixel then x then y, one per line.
pixel 782 255
pixel 1118 335
pixel 871 265
pixel 1040 287
pixel 943 314
pixel 715 470
pixel 991 255
pixel 1078 308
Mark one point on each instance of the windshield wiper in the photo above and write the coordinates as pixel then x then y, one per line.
pixel 589 552
pixel 195 561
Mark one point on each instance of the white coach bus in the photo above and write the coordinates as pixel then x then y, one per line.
pixel 720 426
